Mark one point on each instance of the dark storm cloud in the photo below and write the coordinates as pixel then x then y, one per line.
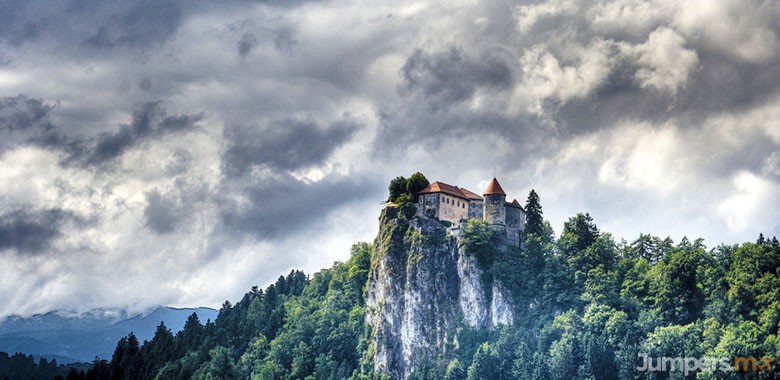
pixel 244 45
pixel 14 28
pixel 162 214
pixel 149 121
pixel 283 145
pixel 166 210
pixel 104 25
pixel 281 205
pixel 24 113
pixel 432 111
pixel 449 77
pixel 135 23
pixel 26 120
pixel 89 23
pixel 31 231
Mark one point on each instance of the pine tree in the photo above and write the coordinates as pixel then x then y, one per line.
pixel 534 222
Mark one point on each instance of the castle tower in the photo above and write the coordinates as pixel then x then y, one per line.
pixel 494 211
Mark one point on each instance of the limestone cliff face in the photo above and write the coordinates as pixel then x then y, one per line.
pixel 423 288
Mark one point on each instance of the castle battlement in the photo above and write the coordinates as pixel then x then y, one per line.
pixel 457 205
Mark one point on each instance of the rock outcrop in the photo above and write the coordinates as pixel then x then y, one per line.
pixel 423 288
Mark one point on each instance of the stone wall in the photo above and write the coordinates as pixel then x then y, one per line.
pixel 476 209
pixel 495 209
pixel 444 207
pixel 428 205
pixel 515 222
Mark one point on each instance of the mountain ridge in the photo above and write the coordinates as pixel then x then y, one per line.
pixel 61 334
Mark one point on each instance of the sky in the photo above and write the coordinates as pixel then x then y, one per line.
pixel 166 152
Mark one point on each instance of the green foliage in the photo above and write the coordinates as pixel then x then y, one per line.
pixel 534 221
pixel 485 365
pixel 20 366
pixel 406 207
pixel 415 184
pixel 585 307
pixel 579 232
pixel 220 367
pixel 400 186
pixel 477 239
pixel 396 188
pixel 678 296
pixel 455 371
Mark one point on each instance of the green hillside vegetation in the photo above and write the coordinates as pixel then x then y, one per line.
pixel 586 306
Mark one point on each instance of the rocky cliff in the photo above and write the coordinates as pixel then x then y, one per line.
pixel 424 287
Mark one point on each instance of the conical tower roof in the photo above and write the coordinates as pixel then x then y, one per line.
pixel 494 188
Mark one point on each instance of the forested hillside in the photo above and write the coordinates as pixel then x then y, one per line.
pixel 585 306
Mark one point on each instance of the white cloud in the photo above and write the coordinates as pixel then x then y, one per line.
pixel 634 18
pixel 643 157
pixel 528 16
pixel 574 75
pixel 749 204
pixel 665 64
pixel 739 28
pixel 29 176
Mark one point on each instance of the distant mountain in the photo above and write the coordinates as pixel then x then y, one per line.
pixel 73 338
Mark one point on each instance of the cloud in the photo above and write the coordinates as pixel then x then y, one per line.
pixel 272 205
pixel 149 121
pixel 25 120
pixel 137 24
pixel 247 42
pixel 283 145
pixel 162 213
pixel 170 207
pixel 546 76
pixel 745 30
pixel 199 138
pixel 665 63
pixel 746 205
pixel 31 231
pixel 449 77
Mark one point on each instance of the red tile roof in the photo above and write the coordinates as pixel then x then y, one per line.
pixel 494 188
pixel 441 187
pixel 515 203
pixel 470 195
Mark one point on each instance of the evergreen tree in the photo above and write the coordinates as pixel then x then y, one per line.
pixel 579 232
pixel 485 365
pixel 158 351
pixel 534 222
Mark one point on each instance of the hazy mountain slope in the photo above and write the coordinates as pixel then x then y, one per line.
pixel 82 337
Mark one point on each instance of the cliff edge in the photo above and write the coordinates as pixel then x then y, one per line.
pixel 425 285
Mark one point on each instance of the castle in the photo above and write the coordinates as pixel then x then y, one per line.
pixel 457 205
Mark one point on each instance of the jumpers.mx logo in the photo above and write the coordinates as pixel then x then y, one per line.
pixel 691 364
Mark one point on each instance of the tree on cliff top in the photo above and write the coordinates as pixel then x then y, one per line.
pixel 396 188
pixel 415 184
pixel 411 186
